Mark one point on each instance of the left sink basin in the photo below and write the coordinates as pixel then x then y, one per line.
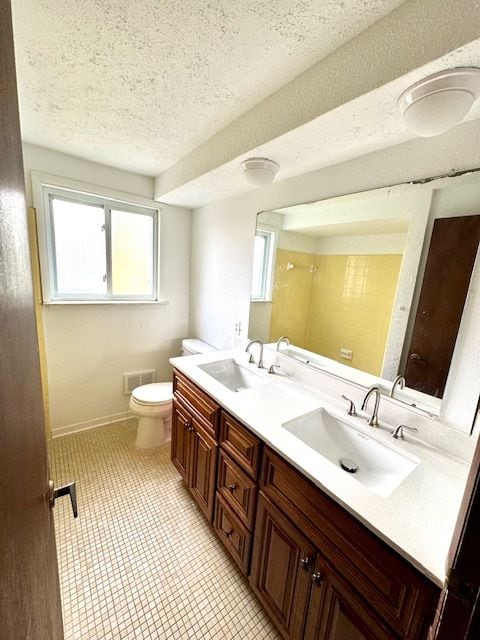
pixel 232 375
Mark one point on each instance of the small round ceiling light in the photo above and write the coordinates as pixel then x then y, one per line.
pixel 440 101
pixel 259 171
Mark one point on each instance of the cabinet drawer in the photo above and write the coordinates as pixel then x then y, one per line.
pixel 240 444
pixel 403 596
pixel 196 399
pixel 237 489
pixel 234 535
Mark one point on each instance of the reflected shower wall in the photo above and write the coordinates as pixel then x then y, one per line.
pixel 326 303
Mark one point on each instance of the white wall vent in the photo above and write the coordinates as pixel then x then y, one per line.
pixel 133 380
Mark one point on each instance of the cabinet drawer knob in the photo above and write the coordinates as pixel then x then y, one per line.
pixel 305 562
pixel 188 426
pixel 232 487
pixel 228 533
pixel 317 577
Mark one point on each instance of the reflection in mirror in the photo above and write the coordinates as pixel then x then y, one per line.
pixel 370 286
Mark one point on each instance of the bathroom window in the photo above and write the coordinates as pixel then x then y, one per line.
pixel 99 249
pixel 263 255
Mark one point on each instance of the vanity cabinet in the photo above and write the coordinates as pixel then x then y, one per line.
pixel 305 597
pixel 194 448
pixel 318 571
pixel 365 576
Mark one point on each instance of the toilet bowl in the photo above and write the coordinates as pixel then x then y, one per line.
pixel 152 404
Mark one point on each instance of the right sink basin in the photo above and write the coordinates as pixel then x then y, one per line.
pixel 378 467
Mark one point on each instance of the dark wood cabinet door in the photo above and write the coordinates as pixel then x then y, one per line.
pixel 203 462
pixel 336 613
pixel 181 439
pixel 281 569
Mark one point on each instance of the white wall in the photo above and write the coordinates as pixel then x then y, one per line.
pixel 222 240
pixel 382 243
pixel 89 347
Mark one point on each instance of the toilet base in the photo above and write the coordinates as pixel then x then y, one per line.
pixel 153 432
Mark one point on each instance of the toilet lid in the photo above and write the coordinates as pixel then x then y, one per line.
pixel 153 393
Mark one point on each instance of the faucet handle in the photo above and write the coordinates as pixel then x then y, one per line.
pixel 251 359
pixel 272 368
pixel 397 433
pixel 351 407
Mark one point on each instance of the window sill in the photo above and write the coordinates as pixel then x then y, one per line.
pixel 252 300
pixel 102 302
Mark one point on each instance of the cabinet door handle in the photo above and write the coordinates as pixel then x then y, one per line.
pixel 228 533
pixel 232 487
pixel 188 426
pixel 317 577
pixel 305 562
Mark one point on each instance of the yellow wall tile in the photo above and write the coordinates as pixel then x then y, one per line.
pixel 347 303
pixel 291 296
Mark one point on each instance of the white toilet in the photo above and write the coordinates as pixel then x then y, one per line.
pixel 152 403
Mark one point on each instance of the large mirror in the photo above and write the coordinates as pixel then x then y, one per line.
pixel 374 286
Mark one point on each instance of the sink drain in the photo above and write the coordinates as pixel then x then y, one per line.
pixel 348 465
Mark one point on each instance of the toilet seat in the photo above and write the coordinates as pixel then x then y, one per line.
pixel 156 393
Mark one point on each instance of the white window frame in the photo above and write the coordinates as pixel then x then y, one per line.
pixel 44 187
pixel 268 264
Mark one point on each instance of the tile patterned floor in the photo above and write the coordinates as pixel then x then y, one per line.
pixel 140 561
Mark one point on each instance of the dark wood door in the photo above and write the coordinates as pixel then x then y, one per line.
pixel 281 569
pixel 181 439
pixel 29 588
pixel 203 467
pixel 336 613
pixel 448 270
pixel 458 612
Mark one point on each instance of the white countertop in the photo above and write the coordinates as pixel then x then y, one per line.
pixel 417 519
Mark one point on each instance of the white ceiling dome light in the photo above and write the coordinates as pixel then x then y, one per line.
pixel 259 171
pixel 440 101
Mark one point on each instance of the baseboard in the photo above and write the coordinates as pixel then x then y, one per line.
pixel 90 424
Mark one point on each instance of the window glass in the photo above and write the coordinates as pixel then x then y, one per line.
pixel 263 258
pixel 258 266
pixel 97 249
pixel 79 248
pixel 132 253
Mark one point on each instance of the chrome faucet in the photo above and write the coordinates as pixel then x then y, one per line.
pixel 397 433
pixel 373 420
pixel 251 360
pixel 282 339
pixel 400 382
pixel 351 406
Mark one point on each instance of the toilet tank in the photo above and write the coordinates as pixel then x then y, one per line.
pixel 193 346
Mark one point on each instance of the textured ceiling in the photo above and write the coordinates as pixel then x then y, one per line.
pixel 138 85
pixel 368 123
